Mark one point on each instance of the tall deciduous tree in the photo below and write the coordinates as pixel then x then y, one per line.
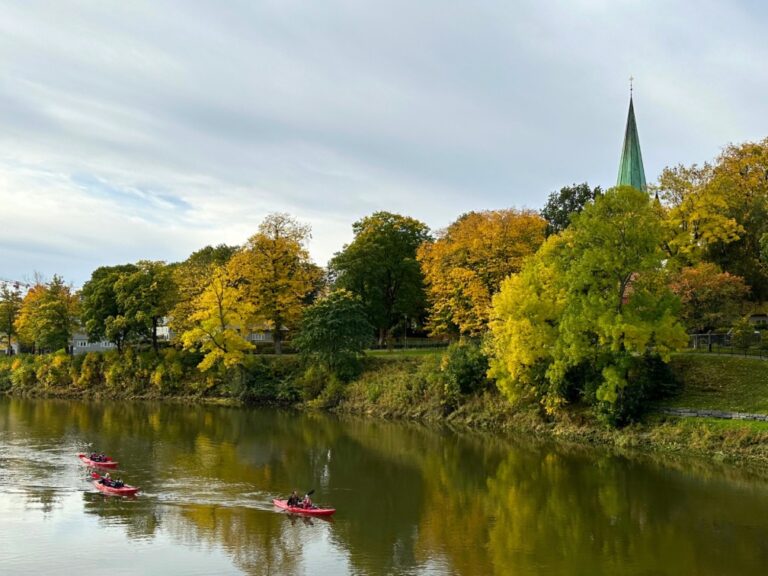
pixel 220 323
pixel 719 213
pixel 335 331
pixel 465 266
pixel 191 278
pixel 10 306
pixel 276 274
pixel 563 204
pixel 380 266
pixel 597 298
pixel 696 217
pixel 145 296
pixel 710 297
pixel 48 315
pixel 103 315
pixel 740 176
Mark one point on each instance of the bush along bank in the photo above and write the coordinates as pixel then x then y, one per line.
pixel 169 373
pixel 425 389
pixel 448 387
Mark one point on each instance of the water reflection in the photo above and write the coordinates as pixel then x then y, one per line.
pixel 410 500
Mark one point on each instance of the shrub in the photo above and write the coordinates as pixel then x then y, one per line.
pixel 465 366
pixel 168 373
pixel 23 374
pixel 331 395
pixel 647 378
pixel 266 378
pixel 53 371
pixel 91 372
pixel 5 373
pixel 312 381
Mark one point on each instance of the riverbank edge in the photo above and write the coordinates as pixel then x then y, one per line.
pixel 402 389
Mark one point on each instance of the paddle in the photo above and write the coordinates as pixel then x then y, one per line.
pixel 309 494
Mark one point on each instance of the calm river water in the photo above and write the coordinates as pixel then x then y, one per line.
pixel 409 500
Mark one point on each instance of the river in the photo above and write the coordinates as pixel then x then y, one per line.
pixel 409 499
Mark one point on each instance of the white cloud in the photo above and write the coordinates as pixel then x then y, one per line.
pixel 144 130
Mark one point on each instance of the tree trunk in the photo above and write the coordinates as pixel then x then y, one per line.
pixel 278 340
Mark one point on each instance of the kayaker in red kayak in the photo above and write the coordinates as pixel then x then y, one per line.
pixel 293 499
pixel 107 481
pixel 307 502
pixel 96 457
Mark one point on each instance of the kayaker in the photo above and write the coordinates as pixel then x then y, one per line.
pixel 293 499
pixel 307 502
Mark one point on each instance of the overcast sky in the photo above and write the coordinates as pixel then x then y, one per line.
pixel 149 129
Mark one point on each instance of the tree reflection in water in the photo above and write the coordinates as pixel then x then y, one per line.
pixel 409 499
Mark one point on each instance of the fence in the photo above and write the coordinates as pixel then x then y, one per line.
pixel 723 344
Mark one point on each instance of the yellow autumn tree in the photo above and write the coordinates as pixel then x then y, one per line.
pixel 465 266
pixel 719 213
pixel 697 216
pixel 48 315
pixel 220 323
pixel 191 278
pixel 524 323
pixel 276 274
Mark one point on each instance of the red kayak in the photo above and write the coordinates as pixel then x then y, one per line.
pixel 314 511
pixel 124 490
pixel 108 463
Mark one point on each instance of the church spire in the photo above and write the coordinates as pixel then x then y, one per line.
pixel 631 171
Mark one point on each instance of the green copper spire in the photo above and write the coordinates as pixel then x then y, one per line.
pixel 631 171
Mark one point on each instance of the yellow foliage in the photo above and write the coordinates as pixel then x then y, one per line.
pixel 275 273
pixel 524 322
pixel 465 266
pixel 221 321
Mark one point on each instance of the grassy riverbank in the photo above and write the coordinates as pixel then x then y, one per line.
pixel 406 389
pixel 401 385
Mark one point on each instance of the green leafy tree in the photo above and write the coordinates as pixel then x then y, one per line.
pixel 103 316
pixel 562 205
pixel 380 266
pixel 592 301
pixel 335 331
pixel 145 296
pixel 10 307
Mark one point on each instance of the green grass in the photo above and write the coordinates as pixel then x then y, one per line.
pixel 711 424
pixel 712 382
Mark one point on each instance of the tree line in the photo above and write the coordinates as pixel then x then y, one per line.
pixel 577 301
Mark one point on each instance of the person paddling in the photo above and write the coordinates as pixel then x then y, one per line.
pixel 307 502
pixel 293 499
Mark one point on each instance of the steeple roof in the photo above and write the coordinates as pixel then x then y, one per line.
pixel 631 171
